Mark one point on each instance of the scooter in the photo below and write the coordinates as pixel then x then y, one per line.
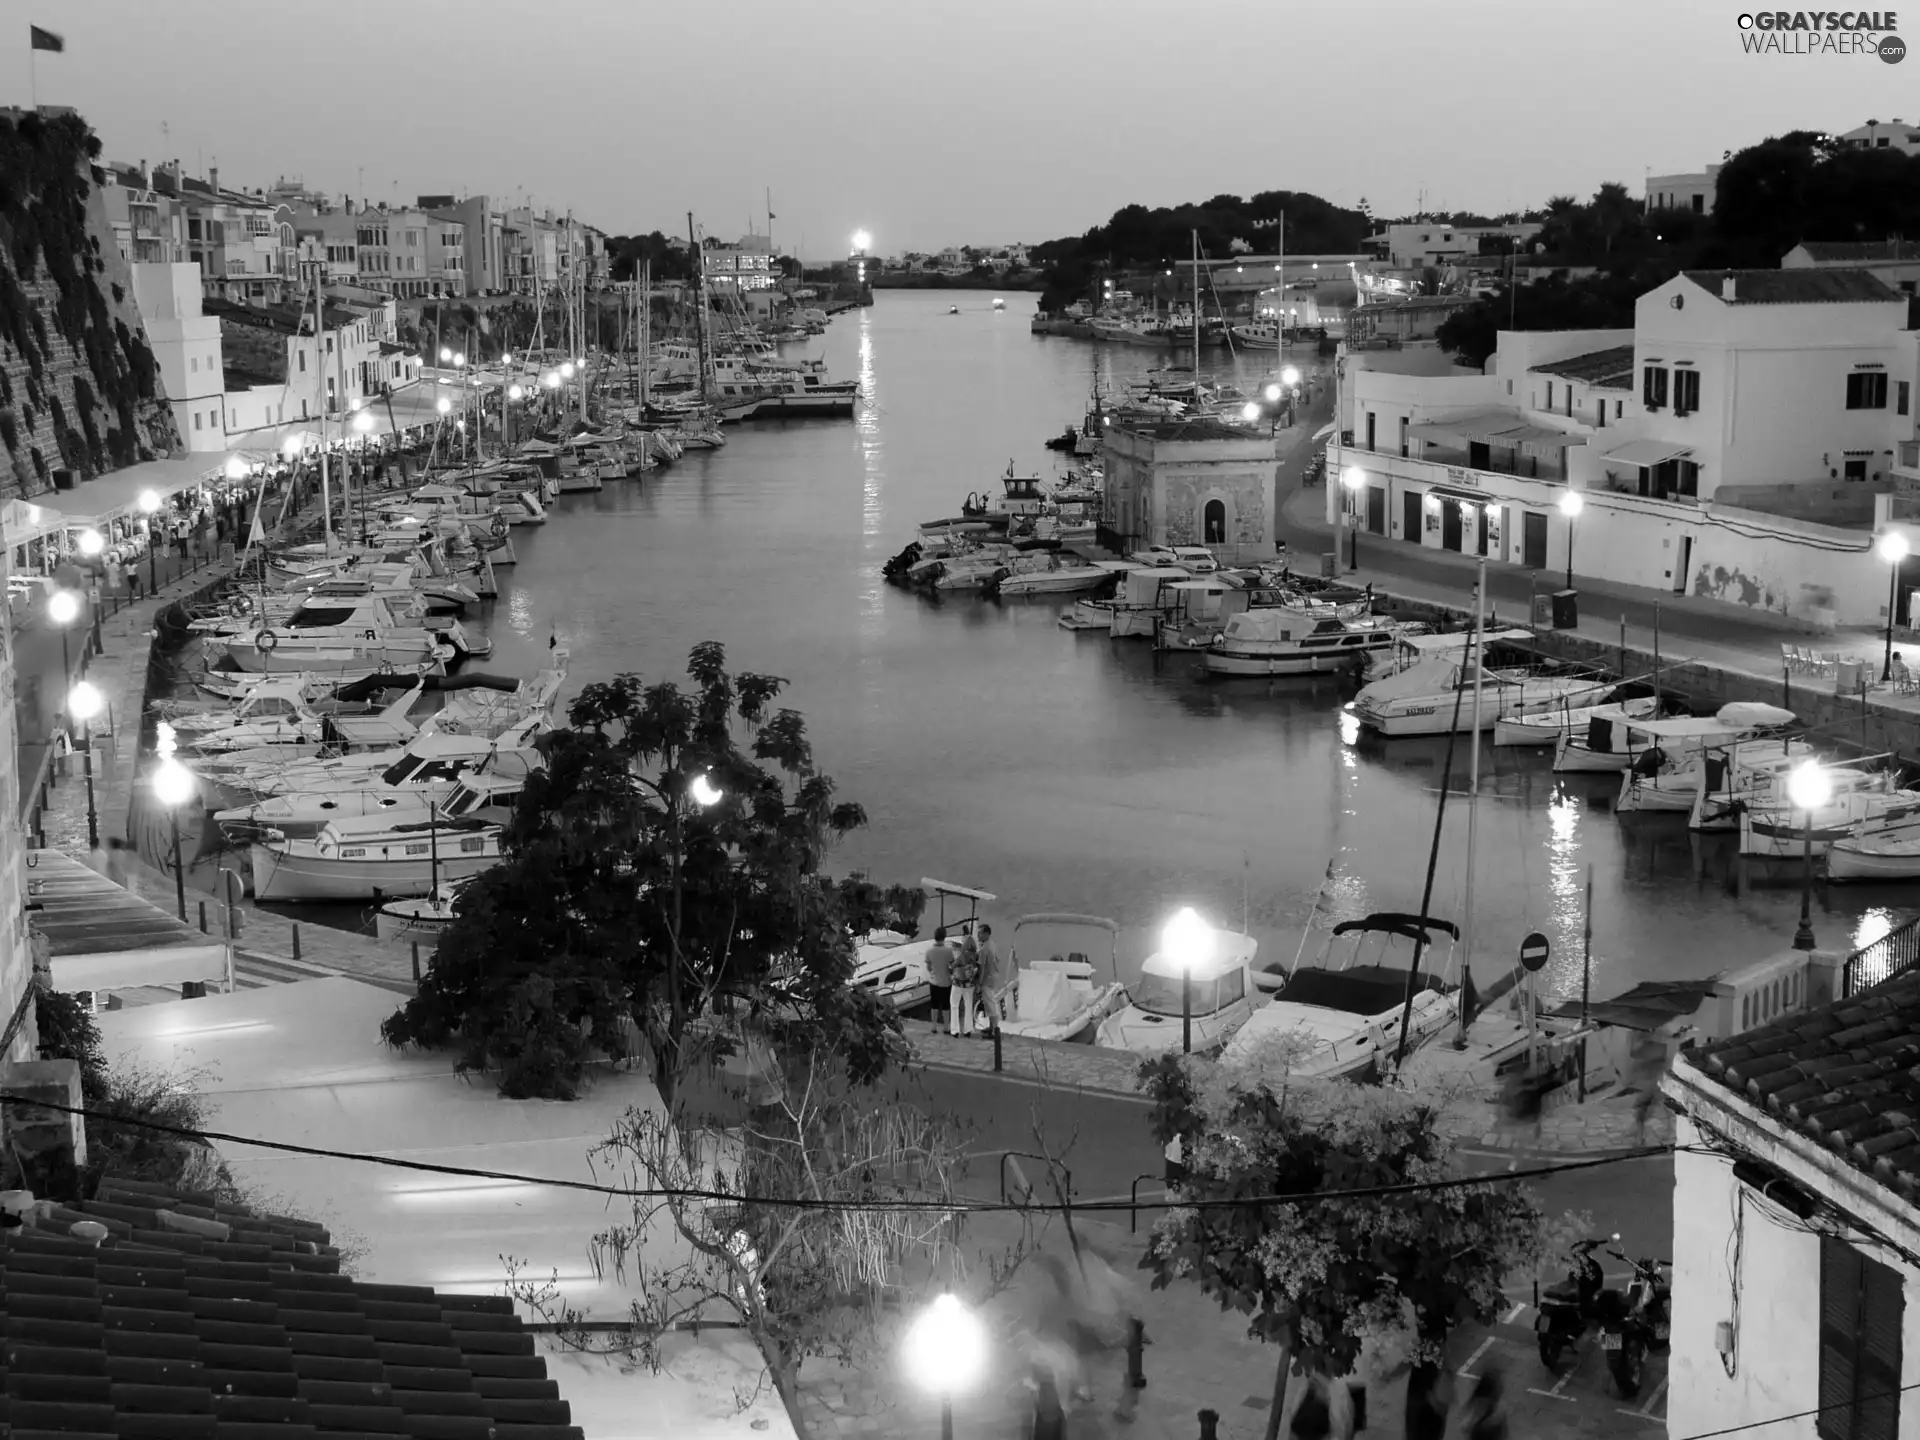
pixel 1644 1323
pixel 1568 1308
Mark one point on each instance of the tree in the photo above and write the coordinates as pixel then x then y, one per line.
pixel 623 896
pixel 811 1221
pixel 1321 1278
pixel 1596 302
pixel 1807 186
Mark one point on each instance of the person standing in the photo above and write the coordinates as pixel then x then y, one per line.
pixel 939 978
pixel 966 985
pixel 996 978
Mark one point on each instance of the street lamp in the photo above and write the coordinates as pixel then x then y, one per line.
pixel 63 608
pixel 443 405
pixel 566 369
pixel 1353 480
pixel 84 702
pixel 1272 392
pixel 149 504
pixel 514 392
pixel 92 542
pixel 703 792
pixel 1808 788
pixel 1250 411
pixel 460 360
pixel 446 354
pixel 1187 941
pixel 1891 548
pixel 1571 504
pixel 173 786
pixel 551 380
pixel 236 468
pixel 945 1351
pixel 1290 377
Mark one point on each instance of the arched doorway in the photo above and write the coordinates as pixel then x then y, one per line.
pixel 1213 523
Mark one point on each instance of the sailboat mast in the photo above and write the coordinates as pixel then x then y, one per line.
pixel 646 330
pixel 320 379
pixel 699 306
pixel 1473 797
pixel 1280 299
pixel 1196 312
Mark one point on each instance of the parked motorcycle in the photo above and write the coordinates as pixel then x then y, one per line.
pixel 1570 1306
pixel 1644 1322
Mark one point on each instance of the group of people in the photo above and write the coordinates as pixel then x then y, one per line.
pixel 968 976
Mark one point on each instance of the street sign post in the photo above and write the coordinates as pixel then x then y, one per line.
pixel 1533 955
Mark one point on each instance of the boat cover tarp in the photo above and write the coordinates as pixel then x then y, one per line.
pixel 1045 995
pixel 1647 1006
pixel 1359 990
pixel 1425 677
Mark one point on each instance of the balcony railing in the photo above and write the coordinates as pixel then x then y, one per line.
pixel 1885 958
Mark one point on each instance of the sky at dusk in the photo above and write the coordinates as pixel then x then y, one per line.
pixel 934 125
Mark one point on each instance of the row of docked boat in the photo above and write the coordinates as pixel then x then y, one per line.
pixel 1338 1015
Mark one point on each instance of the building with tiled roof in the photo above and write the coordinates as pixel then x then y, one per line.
pixel 1793 287
pixel 144 1312
pixel 1610 369
pixel 1796 1251
pixel 1894 262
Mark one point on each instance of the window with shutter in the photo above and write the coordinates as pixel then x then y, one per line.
pixel 1861 1307
pixel 1653 391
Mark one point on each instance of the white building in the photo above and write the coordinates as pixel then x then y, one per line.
pixel 1895 261
pixel 1796 1240
pixel 1742 442
pixel 1894 134
pixel 186 349
pixel 1693 191
pixel 1431 244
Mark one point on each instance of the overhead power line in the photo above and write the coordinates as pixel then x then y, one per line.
pixel 791 1202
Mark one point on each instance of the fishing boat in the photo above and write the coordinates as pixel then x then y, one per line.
pixel 1293 639
pixel 1659 781
pixel 422 917
pixel 1142 601
pixel 1549 727
pixel 894 966
pixel 1213 998
pixel 1612 742
pixel 1196 613
pixel 1778 831
pixel 478 793
pixel 1883 853
pixel 1341 1021
pixel 1754 776
pixel 372 858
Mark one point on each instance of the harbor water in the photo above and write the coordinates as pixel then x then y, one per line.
pixel 1071 772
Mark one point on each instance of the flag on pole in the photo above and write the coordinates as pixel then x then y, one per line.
pixel 553 640
pixel 46 40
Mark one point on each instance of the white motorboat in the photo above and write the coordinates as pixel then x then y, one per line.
pixel 894 966
pixel 1669 783
pixel 1295 640
pixel 1342 1021
pixel 1777 831
pixel 249 776
pixel 1755 774
pixel 478 793
pixel 1066 977
pixel 1214 999
pixel 332 638
pixel 1059 577
pixel 1612 741
pixel 1143 602
pixel 1416 643
pixel 372 858
pixel 273 697
pixel 1549 727
pixel 1432 697
pixel 385 728
pixel 423 918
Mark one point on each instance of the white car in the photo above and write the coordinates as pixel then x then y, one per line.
pixel 1196 558
pixel 1155 555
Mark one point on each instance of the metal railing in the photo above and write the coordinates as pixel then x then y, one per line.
pixel 1892 953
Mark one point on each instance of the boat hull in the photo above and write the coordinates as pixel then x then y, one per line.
pixel 1317 662
pixel 1435 715
pixel 1855 860
pixel 279 875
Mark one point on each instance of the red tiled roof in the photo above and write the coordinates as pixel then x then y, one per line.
pixel 1860 252
pixel 1843 1075
pixel 1796 287
pixel 1611 369
pixel 199 1320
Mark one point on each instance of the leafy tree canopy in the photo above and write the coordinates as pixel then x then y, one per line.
pixel 1595 302
pixel 629 252
pixel 623 898
pixel 1807 186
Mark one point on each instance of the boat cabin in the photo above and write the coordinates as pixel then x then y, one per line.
pixel 1214 998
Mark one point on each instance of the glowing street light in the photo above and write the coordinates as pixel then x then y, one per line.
pixel 363 422
pixel 551 380
pixel 173 786
pixel 63 608
pixel 1808 788
pixel 149 501
pixel 703 792
pixel 566 369
pixel 1272 392
pixel 443 405
pixel 506 357
pixel 1353 480
pixel 84 702
pixel 1290 377
pixel 514 392
pixel 149 505
pixel 236 468
pixel 460 360
pixel 862 242
pixel 91 542
pixel 1250 411
pixel 944 1351
pixel 1187 941
pixel 1571 504
pixel 1892 548
pixel 446 354
pixel 291 446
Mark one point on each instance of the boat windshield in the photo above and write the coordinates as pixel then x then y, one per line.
pixel 1160 994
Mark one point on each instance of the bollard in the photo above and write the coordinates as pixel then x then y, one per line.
pixel 1209 1425
pixel 996 1047
pixel 416 962
pixel 1136 1354
pixel 203 917
pixel 296 939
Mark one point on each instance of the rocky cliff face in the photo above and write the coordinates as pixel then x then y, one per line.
pixel 78 386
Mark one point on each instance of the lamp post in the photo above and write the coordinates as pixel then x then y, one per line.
pixel 149 507
pixel 1808 788
pixel 944 1350
pixel 1571 504
pixel 63 608
pixel 84 702
pixel 173 786
pixel 1353 480
pixel 1892 548
pixel 1290 383
pixel 1187 940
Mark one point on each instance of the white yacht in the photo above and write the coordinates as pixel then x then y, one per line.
pixel 1550 727
pixel 1342 1020
pixel 1422 700
pixel 1213 1000
pixel 1059 576
pixel 475 794
pixel 372 858
pixel 388 726
pixel 1775 830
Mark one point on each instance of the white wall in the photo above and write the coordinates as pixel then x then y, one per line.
pixel 186 350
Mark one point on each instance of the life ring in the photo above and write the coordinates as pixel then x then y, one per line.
pixel 499 527
pixel 266 641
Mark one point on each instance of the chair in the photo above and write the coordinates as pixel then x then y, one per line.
pixel 1903 680
pixel 1789 657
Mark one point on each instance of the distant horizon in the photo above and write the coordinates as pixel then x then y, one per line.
pixel 1020 123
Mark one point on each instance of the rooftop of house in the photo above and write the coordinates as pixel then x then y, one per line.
pixel 284 320
pixel 1611 368
pixel 193 1314
pixel 1204 427
pixel 1845 1075
pixel 1795 287
pixel 1859 252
